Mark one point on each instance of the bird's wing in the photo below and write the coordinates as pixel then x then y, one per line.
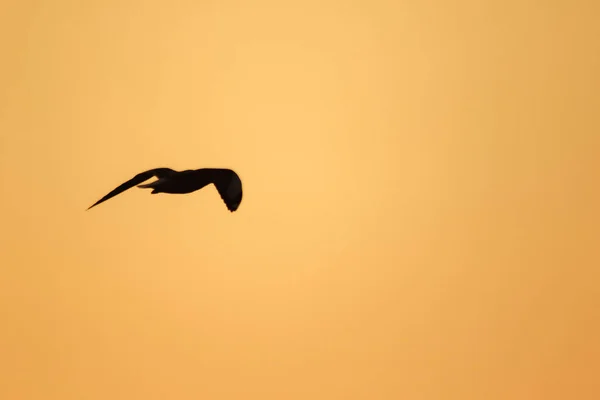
pixel 229 186
pixel 136 180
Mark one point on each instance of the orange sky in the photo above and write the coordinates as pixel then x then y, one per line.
pixel 420 214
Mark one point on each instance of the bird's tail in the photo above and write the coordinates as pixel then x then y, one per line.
pixel 149 186
pixel 152 185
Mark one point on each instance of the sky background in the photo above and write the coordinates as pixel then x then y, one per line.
pixel 421 200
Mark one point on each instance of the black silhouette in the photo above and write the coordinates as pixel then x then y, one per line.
pixel 226 181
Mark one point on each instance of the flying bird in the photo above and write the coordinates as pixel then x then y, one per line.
pixel 226 181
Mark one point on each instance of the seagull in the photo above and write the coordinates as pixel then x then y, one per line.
pixel 226 181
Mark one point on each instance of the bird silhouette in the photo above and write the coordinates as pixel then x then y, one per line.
pixel 226 181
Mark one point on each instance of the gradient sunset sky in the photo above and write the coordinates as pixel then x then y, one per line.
pixel 421 200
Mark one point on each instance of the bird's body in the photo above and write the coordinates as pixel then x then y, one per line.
pixel 226 181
